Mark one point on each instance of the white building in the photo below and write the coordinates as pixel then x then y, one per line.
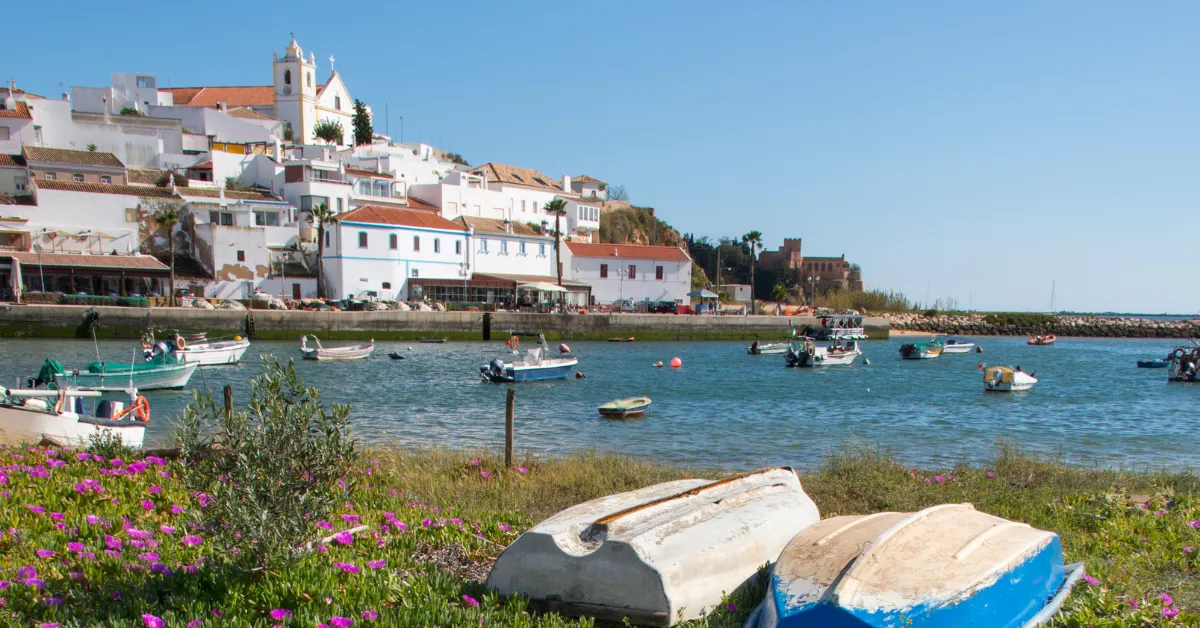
pixel 136 91
pixel 382 249
pixel 589 187
pixel 508 248
pixel 412 164
pixel 632 271
pixel 467 194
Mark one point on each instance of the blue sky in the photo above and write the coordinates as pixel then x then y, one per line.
pixel 964 150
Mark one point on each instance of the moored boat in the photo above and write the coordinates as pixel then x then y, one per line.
pixel 954 344
pixel 943 567
pixel 807 353
pixel 536 365
pixel 1006 379
pixel 844 326
pixel 629 339
pixel 1042 339
pixel 661 554
pixel 348 352
pixel 162 370
pixel 766 348
pixel 922 350
pixel 432 341
pixel 1153 364
pixel 27 415
pixel 1185 364
pixel 198 347
pixel 625 408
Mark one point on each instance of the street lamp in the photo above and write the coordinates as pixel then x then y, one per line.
pixel 464 269
pixel 622 273
pixel 812 290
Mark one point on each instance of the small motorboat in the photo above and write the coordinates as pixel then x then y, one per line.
pixel 348 352
pixel 1153 364
pixel 766 348
pixel 536 365
pixel 943 567
pixel 395 355
pixel 954 344
pixel 807 353
pixel 1185 364
pixel 629 339
pixel 198 347
pixel 661 554
pixel 1042 340
pixel 1006 379
pixel 432 341
pixel 922 350
pixel 164 369
pixel 30 414
pixel 625 408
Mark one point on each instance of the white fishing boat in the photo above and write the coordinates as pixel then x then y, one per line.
pixel 349 352
pixel 27 415
pixel 536 365
pixel 954 344
pixel 948 566
pixel 198 347
pixel 767 348
pixel 844 326
pixel 163 370
pixel 1006 379
pixel 657 555
pixel 807 353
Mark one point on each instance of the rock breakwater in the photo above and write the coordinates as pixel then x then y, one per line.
pixel 1022 324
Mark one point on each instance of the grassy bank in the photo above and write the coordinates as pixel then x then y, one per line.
pixel 100 542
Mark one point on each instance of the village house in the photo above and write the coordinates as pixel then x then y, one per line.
pixel 631 272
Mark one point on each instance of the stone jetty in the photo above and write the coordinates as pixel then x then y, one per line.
pixel 1022 324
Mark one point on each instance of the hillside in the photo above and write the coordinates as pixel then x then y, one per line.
pixel 622 223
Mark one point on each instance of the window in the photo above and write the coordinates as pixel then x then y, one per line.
pixel 105 178
pixel 51 176
pixel 21 182
pixel 458 247
pixel 310 79
pixel 364 187
pixel 541 249
pixel 241 255
pixel 339 206
pixel 362 239
pixel 266 219
pixel 633 271
pixel 521 248
pixel 658 272
pixel 131 214
pixel 522 206
pixel 214 218
pixel 534 206
pixel 437 245
pixel 414 273
pixel 604 271
pixel 382 189
pixel 326 238
pixel 483 246
pixel 504 247
pixel 220 218
pixel 146 82
pixel 287 77
pixel 393 242
pixel 387 285
pixel 337 103
pixel 307 203
pixel 417 244
pixel 4 133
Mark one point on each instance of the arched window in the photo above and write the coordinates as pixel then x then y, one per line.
pixel 310 79
pixel 287 77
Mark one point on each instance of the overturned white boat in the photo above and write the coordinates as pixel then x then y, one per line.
pixel 943 567
pixel 660 554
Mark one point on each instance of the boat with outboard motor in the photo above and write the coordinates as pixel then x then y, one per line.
pixel 198 347
pixel 163 369
pixel 922 350
pixel 948 566
pixel 806 352
pixel 955 344
pixel 1042 340
pixel 536 365
pixel 766 348
pixel 348 352
pixel 29 414
pixel 1006 379
pixel 1185 363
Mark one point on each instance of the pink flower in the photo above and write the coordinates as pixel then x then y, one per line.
pixel 1090 580
pixel 1170 612
pixel 190 540
pixel 928 481
pixel 1166 599
pixel 195 623
pixel 522 470
pixel 344 537
pixel 939 479
pixel 152 622
pixel 57 516
pixel 45 553
pixel 280 614
pixel 75 546
pixel 484 474
pixel 346 567
pixel 731 607
pixel 1194 524
pixel 37 510
pixel 370 615
pixel 350 518
pixel 176 509
pixel 1159 513
pixel 1189 549
pixel 377 564
pixel 166 529
pixel 93 519
pixel 505 528
pixel 470 601
pixel 147 504
pixel 475 463
pixel 341 622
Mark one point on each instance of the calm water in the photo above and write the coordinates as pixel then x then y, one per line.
pixel 725 407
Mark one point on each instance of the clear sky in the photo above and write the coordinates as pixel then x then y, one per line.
pixel 970 150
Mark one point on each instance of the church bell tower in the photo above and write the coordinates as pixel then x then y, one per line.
pixel 295 93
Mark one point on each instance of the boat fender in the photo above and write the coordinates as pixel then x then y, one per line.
pixel 867 362
pixel 978 349
pixel 580 375
pixel 563 348
pixel 658 364
pixel 513 342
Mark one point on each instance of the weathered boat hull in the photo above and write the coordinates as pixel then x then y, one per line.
pixel 25 425
pixel 944 567
pixel 625 408
pixel 660 554
pixel 169 377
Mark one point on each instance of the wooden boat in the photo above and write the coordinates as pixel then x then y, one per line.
pixel 947 566
pixel 1042 340
pixel 807 353
pixel 660 554
pixel 922 350
pixel 629 339
pixel 1007 379
pixel 954 344
pixel 536 365
pixel 349 352
pixel 766 348
pixel 624 408
pixel 163 370
pixel 432 341
pixel 197 347
pixel 27 415
pixel 1185 364
pixel 1153 364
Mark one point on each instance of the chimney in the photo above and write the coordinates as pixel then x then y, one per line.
pixel 566 183
pixel 66 97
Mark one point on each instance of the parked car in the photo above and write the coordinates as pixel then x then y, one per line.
pixel 667 307
pixel 623 305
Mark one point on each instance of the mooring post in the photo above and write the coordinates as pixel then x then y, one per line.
pixel 509 408
pixel 228 401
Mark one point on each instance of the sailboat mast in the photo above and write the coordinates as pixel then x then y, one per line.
pixel 1052 286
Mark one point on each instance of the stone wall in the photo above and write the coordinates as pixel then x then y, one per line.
pixel 1029 324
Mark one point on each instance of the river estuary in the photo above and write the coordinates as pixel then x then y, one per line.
pixel 730 409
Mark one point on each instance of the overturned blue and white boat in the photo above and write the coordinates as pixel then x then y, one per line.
pixel 949 566
pixel 536 365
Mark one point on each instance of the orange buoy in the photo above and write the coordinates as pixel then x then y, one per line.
pixel 676 363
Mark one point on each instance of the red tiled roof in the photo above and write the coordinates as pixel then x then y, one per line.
pixel 106 188
pixel 519 176
pixel 378 215
pixel 204 165
pixel 363 172
pixel 495 225
pixel 243 195
pixel 83 260
pixel 17 161
pixel 72 157
pixel 583 178
pixel 249 114
pixel 4 93
pixel 145 176
pixel 417 203
pixel 249 96
pixel 628 251
pixel 22 199
pixel 21 110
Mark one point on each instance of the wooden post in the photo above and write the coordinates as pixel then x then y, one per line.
pixel 509 407
pixel 228 401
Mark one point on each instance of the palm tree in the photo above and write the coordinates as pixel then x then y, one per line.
pixel 754 240
pixel 320 216
pixel 558 209
pixel 169 217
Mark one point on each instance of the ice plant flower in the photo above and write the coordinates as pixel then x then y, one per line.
pixel 341 622
pixel 45 553
pixel 344 537
pixel 166 529
pixel 93 519
pixel 350 518
pixel 1166 599
pixel 1189 549
pixel 522 470
pixel 191 540
pixel 1170 612
pixel 1194 524
pixel 731 607
pixel 485 474
pixel 147 504
pixel 176 509
pixel 370 615
pixel 377 564
pixel 195 623
pixel 280 614
pixel 151 621
pixel 75 546
pixel 475 463
pixel 470 601
pixel 154 490
pixel 37 510
pixel 1090 580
